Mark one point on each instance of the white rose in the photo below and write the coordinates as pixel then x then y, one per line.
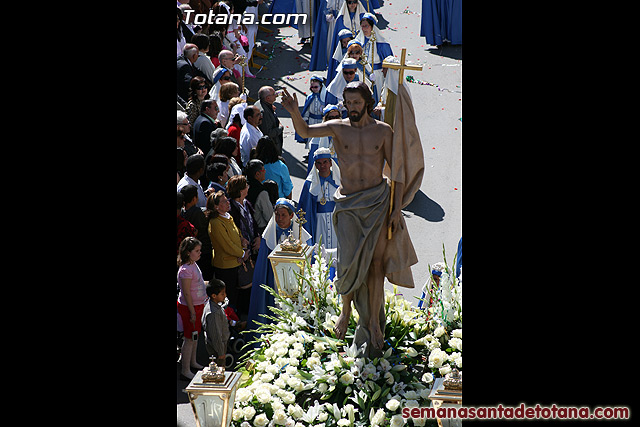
pixel 456 343
pixel 269 353
pixel 392 404
pixel 319 347
pixel 277 404
pixel 266 377
pixel 312 361
pixel 280 382
pixel 248 412
pixel 289 398
pixel 444 370
pixel 343 422
pixel 244 395
pixel 295 383
pixel 295 354
pixel 457 333
pixel 263 394
pixel 347 378
pixel 272 369
pixel 322 387
pixel 437 358
pixel 378 417
pixel 295 411
pixel 291 370
pixel 261 420
pixel 397 420
pixel 427 377
pixel 237 414
pixel 280 417
pixel 438 332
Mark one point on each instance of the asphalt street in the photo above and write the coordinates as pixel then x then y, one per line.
pixel 434 218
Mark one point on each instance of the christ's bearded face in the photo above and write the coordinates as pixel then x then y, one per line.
pixel 356 107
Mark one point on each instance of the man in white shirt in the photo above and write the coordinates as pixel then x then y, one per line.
pixel 250 133
pixel 195 169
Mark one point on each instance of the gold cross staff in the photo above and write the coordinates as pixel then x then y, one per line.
pixel 401 66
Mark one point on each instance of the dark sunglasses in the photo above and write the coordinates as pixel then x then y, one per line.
pixel 348 72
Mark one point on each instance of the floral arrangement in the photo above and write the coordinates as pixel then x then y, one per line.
pixel 301 375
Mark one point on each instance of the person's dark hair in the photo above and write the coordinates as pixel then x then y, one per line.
pixel 237 120
pixel 249 111
pixel 253 166
pixel 206 104
pixel 266 150
pixel 369 21
pixel 236 184
pixel 219 158
pixel 255 186
pixel 215 286
pixel 226 145
pixel 189 192
pixel 188 244
pixel 220 26
pixel 193 87
pixel 212 201
pixel 200 40
pixel 363 90
pixel 215 171
pixel 272 188
pixel 180 200
pixel 215 44
pixel 195 162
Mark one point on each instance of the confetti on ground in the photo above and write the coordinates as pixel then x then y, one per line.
pixel 411 79
pixel 409 12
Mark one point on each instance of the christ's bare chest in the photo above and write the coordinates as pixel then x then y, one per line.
pixel 359 142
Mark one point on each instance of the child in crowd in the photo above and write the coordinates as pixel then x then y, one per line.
pixel 214 321
pixel 191 302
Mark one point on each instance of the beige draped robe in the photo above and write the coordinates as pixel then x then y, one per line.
pixel 359 218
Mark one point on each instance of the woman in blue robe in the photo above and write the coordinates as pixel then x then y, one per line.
pixel 378 50
pixel 348 17
pixel 319 60
pixel 339 52
pixel 277 230
pixel 441 21
pixel 314 104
